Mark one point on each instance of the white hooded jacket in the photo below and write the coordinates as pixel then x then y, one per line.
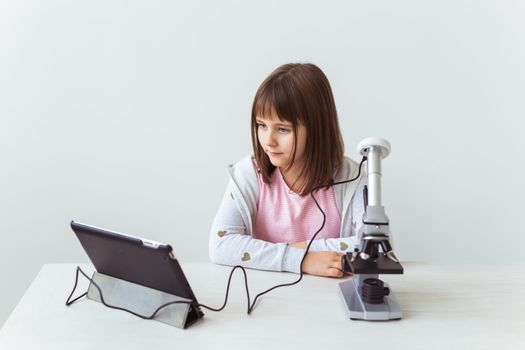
pixel 231 242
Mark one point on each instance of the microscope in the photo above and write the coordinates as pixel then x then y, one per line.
pixel 365 296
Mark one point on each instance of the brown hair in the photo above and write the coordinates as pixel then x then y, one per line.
pixel 301 93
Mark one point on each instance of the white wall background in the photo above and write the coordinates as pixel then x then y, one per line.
pixel 124 114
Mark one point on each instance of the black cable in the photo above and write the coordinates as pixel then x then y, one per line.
pixel 250 307
pixel 74 287
pixel 311 241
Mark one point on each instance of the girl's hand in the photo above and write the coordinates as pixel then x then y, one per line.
pixel 326 264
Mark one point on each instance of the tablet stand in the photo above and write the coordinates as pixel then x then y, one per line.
pixel 139 299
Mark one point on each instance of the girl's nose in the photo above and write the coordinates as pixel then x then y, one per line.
pixel 271 140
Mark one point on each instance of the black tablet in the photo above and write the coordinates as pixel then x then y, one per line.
pixel 137 260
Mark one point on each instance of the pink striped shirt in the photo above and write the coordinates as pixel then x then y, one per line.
pixel 286 216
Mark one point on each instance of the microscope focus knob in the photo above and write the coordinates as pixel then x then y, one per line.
pixel 378 143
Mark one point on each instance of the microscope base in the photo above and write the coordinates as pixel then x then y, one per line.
pixel 357 309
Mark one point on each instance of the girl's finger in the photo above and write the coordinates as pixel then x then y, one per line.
pixel 336 264
pixel 333 272
pixel 338 257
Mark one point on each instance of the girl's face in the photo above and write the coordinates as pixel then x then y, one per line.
pixel 277 138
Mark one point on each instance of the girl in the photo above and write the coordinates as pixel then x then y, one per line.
pixel 267 216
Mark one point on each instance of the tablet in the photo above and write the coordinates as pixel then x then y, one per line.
pixel 137 260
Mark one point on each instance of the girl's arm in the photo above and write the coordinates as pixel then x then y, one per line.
pixel 229 243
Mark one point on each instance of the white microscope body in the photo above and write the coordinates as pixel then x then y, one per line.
pixel 366 297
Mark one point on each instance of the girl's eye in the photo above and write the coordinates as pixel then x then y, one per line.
pixel 281 130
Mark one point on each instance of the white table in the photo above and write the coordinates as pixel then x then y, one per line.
pixel 445 307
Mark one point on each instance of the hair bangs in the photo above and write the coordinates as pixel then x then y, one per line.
pixel 275 99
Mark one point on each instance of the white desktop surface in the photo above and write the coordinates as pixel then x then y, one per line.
pixel 445 307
